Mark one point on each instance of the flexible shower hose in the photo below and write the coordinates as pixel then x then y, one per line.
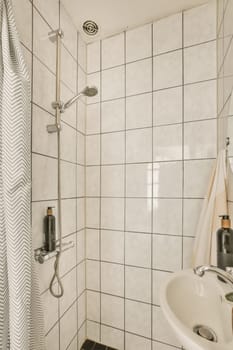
pixel 56 275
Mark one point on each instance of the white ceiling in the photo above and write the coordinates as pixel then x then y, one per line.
pixel 114 16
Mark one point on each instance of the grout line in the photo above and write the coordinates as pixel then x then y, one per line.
pixel 152 189
pixel 183 154
pixel 125 116
pixel 100 189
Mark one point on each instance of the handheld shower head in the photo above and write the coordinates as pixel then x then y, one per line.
pixel 88 91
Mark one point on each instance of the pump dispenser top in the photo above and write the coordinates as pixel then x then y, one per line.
pixel 225 243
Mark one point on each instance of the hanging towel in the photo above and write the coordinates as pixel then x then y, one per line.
pixel 21 313
pixel 215 204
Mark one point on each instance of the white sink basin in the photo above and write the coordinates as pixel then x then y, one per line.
pixel 188 300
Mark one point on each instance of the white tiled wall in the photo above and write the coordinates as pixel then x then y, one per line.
pixel 225 82
pixel 141 152
pixel 151 144
pixel 65 319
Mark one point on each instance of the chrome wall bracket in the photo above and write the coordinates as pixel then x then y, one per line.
pixel 41 255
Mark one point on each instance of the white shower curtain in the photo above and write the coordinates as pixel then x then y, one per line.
pixel 21 318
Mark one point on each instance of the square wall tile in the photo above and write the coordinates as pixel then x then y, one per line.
pixel 52 339
pixel 168 34
pixel 138 284
pixel 93 57
pixel 192 212
pixel 200 24
pixel 139 146
pixel 69 283
pixel 93 150
pixel 200 101
pixel 200 63
pixel 196 177
pixel 113 337
pixel 167 179
pixel 93 331
pixel 43 47
pixel 133 342
pixel 112 311
pixel 68 143
pixel 112 246
pixel 81 241
pixel 93 119
pixel 112 279
pixel 139 180
pixel 139 111
pixel 93 275
pixel 92 212
pixel 167 106
pixel 167 216
pixel 81 116
pixel 81 148
pixel 113 51
pixel 113 83
pixel 68 68
pixel 138 318
pixel 200 139
pixel 167 252
pixel 167 70
pixel 44 178
pixel 138 249
pixel 138 214
pixel 68 180
pixel 112 181
pixel 112 213
pixel 80 204
pixel 43 86
pixel 68 207
pixel 167 143
pixel 68 327
pixel 92 244
pixel 138 43
pixel 139 77
pixel 81 278
pixel 50 308
pixel 113 148
pixel 42 141
pixel 159 278
pixel 113 115
pixel 162 331
pixel 82 53
pixel 50 11
pixel 67 25
pixel 188 245
pixel 92 181
pixel 93 306
pixel 69 256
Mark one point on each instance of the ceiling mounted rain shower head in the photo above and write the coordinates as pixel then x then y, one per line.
pixel 90 28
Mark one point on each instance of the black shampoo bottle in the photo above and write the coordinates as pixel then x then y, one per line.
pixel 50 231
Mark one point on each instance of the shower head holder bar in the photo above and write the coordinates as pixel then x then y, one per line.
pixel 41 255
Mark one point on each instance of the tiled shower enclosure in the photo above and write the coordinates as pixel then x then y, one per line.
pixel 136 161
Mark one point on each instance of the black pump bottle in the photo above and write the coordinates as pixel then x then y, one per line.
pixel 225 243
pixel 50 230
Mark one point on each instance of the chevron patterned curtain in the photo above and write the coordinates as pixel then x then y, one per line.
pixel 21 318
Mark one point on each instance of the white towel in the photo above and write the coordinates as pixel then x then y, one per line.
pixel 215 204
